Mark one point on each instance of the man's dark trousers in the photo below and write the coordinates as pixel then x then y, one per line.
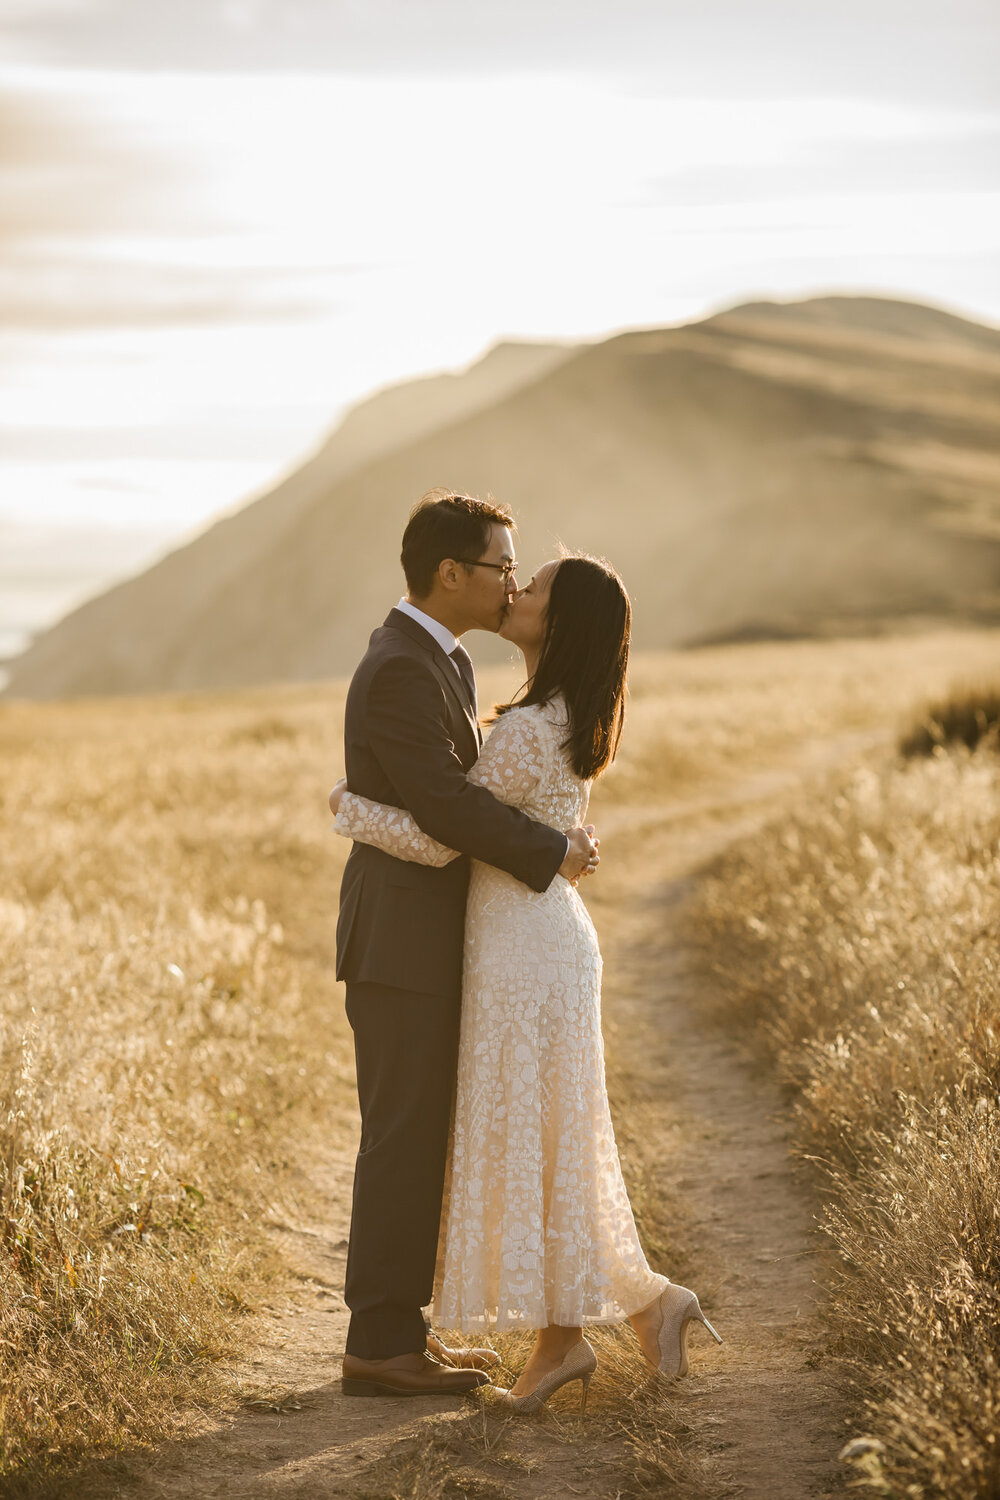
pixel 405 1092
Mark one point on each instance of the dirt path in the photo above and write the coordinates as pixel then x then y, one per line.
pixel 767 1408
pixel 705 1143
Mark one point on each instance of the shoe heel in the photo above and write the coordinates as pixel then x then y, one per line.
pixel 679 1308
pixel 716 1336
pixel 359 1387
pixel 585 1387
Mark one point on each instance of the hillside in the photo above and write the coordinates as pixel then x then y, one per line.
pixel 800 469
pixel 130 634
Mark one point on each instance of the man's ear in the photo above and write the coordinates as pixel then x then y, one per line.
pixel 449 574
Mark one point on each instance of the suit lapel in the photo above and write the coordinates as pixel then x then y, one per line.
pixel 443 669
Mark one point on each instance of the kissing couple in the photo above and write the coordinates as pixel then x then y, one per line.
pixel 473 977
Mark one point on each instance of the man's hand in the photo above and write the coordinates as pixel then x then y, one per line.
pixel 336 795
pixel 582 858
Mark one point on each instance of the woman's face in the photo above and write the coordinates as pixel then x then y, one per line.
pixel 524 622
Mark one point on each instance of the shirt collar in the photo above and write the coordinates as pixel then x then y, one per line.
pixel 434 628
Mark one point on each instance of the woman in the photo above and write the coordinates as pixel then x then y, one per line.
pixel 538 1231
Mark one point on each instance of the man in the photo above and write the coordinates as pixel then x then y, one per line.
pixel 411 733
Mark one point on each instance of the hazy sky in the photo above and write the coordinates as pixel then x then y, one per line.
pixel 922 51
pixel 221 220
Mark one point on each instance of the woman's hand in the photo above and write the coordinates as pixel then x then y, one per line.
pixel 591 867
pixel 336 795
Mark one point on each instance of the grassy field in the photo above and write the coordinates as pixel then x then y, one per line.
pixel 857 941
pixel 172 1040
pixel 167 882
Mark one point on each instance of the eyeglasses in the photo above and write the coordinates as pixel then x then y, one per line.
pixel 508 569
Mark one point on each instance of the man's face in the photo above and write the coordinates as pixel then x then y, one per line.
pixel 488 588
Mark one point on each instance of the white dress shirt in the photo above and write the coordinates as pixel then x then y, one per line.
pixel 434 628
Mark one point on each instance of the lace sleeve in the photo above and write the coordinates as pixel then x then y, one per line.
pixel 509 766
pixel 511 761
pixel 390 829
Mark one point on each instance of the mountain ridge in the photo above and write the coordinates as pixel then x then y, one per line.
pixel 791 468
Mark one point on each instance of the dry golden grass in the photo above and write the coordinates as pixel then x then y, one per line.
pixel 158 1049
pixel 698 719
pixel 969 716
pixel 171 1038
pixel 857 941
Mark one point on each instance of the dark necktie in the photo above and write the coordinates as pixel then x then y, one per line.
pixel 463 662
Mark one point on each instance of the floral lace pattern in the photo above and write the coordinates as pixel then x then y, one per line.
pixel 537 1226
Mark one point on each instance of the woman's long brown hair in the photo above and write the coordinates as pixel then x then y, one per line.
pixel 584 657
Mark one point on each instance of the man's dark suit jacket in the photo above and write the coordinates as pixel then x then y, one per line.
pixel 410 737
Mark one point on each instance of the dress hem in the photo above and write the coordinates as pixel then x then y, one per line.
pixel 493 1323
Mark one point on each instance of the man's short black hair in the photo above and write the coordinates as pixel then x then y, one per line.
pixel 443 524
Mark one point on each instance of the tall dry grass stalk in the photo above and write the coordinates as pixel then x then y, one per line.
pixel 857 941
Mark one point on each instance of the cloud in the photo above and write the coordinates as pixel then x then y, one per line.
pixel 89 220
pixel 42 290
pixel 915 49
pixel 932 164
pixel 64 171
pixel 28 13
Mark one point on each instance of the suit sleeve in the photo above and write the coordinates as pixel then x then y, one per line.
pixel 407 728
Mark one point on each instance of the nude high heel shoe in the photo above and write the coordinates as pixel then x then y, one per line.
pixel 579 1364
pixel 679 1308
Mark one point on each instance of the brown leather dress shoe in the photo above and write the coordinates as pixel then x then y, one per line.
pixel 406 1375
pixel 462 1359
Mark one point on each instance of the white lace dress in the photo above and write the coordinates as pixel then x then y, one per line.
pixel 537 1227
